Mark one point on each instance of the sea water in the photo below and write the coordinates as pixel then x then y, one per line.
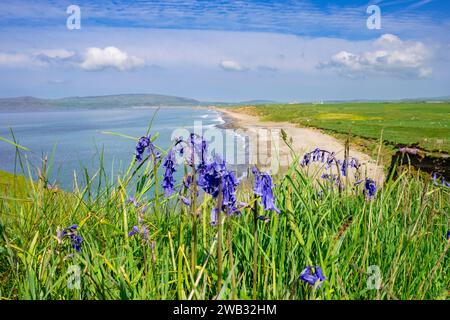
pixel 76 140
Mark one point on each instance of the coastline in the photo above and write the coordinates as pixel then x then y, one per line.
pixel 302 140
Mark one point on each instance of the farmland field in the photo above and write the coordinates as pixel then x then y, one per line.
pixel 424 124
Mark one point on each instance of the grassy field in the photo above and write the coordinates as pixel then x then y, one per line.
pixel 424 124
pixel 392 245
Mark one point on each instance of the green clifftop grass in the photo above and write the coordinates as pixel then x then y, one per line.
pixel 402 232
pixel 425 124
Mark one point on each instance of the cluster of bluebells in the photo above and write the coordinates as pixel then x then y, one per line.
pixel 146 143
pixel 211 175
pixel 350 163
pixel 370 188
pixel 263 188
pixel 140 228
pixel 169 166
pixel 333 178
pixel 436 177
pixel 71 233
pixel 318 155
pixel 328 158
pixel 310 277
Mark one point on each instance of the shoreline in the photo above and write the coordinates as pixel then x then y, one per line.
pixel 302 140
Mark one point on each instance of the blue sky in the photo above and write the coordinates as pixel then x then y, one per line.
pixel 227 50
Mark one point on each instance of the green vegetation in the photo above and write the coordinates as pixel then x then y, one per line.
pixel 401 230
pixel 424 124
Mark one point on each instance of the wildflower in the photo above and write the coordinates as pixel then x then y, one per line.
pixel 343 167
pixel 143 143
pixel 70 232
pixel 434 177
pixel 133 231
pixel 186 201
pixel 243 204
pixel 311 278
pixel 370 188
pixel 307 277
pixel 263 188
pixel 133 201
pixel 169 181
pixel 143 231
pixel 209 178
pixel 448 235
pixel 76 242
pixel 229 184
pixel 187 181
pixel 319 273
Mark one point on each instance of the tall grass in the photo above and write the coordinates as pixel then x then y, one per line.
pixel 402 231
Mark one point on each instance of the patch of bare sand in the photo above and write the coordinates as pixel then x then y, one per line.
pixel 264 133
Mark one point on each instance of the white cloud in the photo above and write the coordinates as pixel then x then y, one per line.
pixel 109 57
pixel 229 65
pixel 392 56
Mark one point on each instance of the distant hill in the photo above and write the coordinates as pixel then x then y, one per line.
pixel 23 104
pixel 94 102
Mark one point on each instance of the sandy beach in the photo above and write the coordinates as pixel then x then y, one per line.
pixel 268 150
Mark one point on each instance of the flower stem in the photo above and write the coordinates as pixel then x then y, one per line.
pixel 219 238
pixel 255 248
pixel 231 258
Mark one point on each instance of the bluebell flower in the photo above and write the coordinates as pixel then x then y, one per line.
pixel 142 230
pixel 133 201
pixel 370 188
pixel 186 201
pixel 187 181
pixel 209 178
pixel 263 188
pixel 312 278
pixel 436 176
pixel 307 277
pixel 168 180
pixel 70 232
pixel 229 184
pixel 448 234
pixel 76 242
pixel 134 230
pixel 344 168
pixel 143 143
pixel 319 273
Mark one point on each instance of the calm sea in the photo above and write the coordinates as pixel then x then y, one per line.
pixel 78 137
